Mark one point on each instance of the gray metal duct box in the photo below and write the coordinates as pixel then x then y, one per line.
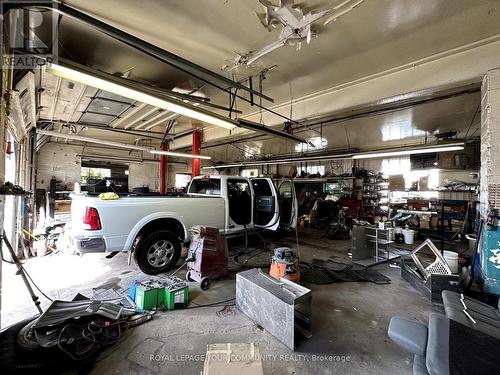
pixel 282 308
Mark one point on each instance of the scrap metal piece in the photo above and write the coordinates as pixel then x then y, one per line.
pixel 438 266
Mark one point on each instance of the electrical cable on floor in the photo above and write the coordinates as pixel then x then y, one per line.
pixel 297 240
pixel 245 251
pixel 36 286
pixel 213 304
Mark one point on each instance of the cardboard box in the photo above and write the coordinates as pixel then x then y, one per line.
pixel 397 182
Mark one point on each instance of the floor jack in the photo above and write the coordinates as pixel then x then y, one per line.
pixel 207 256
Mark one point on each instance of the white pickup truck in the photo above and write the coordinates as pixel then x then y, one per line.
pixel 154 227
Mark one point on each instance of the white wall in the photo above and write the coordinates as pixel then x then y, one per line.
pixel 146 174
pixel 60 160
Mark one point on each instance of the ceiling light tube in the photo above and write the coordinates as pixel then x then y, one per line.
pixel 90 140
pixel 411 151
pixel 107 84
pixel 374 154
pixel 179 154
pixel 282 161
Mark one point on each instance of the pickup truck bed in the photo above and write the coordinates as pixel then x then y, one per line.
pixel 122 219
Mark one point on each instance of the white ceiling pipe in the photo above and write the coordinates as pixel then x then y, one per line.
pixel 180 154
pixel 118 144
pixel 90 140
pixel 410 151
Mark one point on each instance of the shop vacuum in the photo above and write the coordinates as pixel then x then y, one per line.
pixel 285 264
pixel 207 257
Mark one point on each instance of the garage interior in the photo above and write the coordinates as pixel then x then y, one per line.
pixel 254 187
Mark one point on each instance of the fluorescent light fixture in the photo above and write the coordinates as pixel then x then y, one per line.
pixel 374 154
pixel 118 144
pixel 411 151
pixel 180 154
pixel 107 84
pixel 282 161
pixel 90 140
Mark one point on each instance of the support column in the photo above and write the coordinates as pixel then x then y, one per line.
pixel 490 181
pixel 196 150
pixel 164 169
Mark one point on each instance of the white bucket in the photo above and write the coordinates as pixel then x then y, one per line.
pixel 452 259
pixel 409 236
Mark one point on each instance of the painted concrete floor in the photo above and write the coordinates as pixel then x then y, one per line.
pixel 349 326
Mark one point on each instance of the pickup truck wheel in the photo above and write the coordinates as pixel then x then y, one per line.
pixel 158 252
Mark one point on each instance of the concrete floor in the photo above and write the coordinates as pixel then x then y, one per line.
pixel 349 330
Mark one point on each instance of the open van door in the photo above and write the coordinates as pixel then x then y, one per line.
pixel 288 204
pixel 265 204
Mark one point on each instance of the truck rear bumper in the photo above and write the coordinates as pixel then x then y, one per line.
pixel 88 244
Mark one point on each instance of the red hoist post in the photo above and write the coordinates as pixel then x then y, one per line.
pixel 196 149
pixel 163 169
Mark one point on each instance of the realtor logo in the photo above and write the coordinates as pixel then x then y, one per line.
pixel 28 30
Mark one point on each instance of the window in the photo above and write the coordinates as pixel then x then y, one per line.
pixel 250 172
pixel 402 166
pixel 312 169
pixel 318 143
pixel 182 180
pixel 87 173
pixel 206 186
pixel 240 201
pixel 261 188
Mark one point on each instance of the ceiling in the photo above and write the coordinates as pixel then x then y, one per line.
pixel 414 125
pixel 374 37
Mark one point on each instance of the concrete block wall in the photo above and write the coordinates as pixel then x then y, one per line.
pixel 490 142
pixel 60 161
pixel 490 179
pixel 146 174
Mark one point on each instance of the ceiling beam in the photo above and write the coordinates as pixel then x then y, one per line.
pixel 167 57
pixel 128 114
pixel 141 117
pixel 139 133
pixel 153 119
pixel 172 116
pixel 271 131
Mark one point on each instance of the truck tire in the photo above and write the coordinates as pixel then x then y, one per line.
pixel 158 252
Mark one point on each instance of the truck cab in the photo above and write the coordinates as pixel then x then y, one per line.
pixel 250 202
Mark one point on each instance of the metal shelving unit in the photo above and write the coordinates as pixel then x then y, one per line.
pixel 371 245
